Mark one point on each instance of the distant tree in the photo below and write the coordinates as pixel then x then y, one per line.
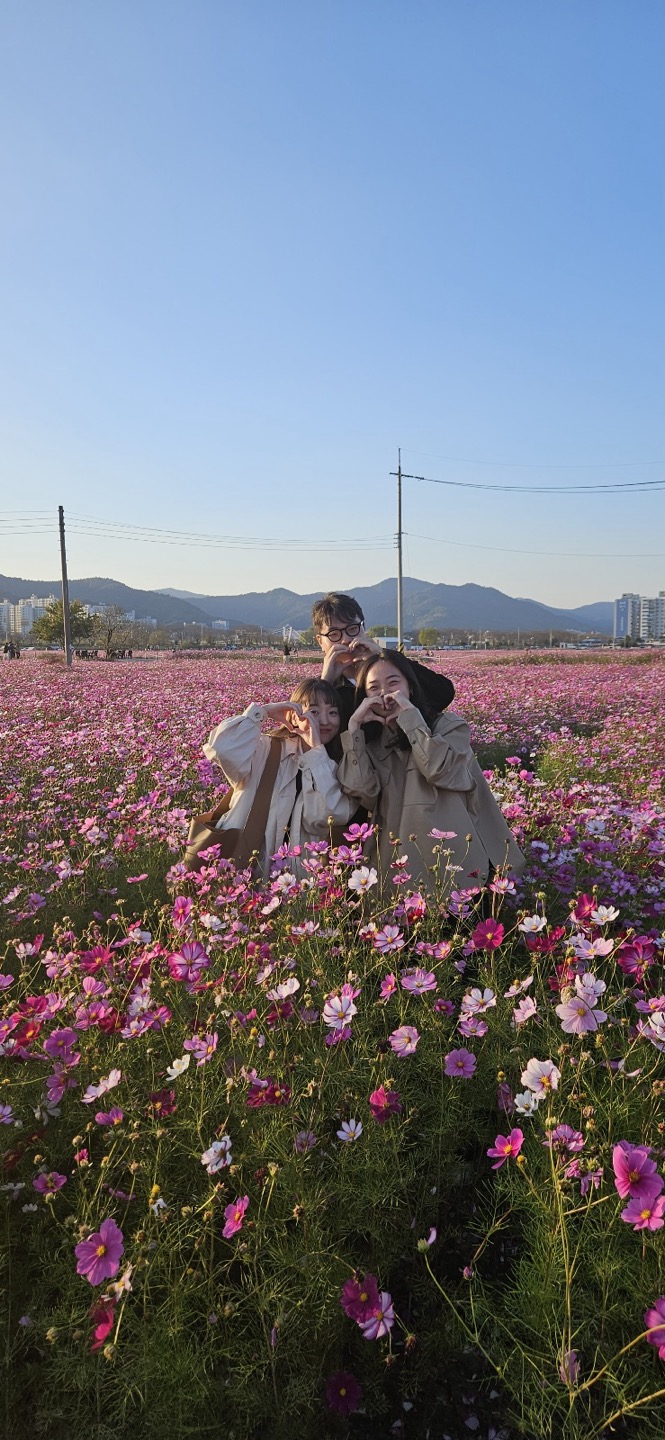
pixel 428 636
pixel 380 631
pixel 111 630
pixel 49 628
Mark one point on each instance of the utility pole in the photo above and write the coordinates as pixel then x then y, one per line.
pixel 65 588
pixel 400 608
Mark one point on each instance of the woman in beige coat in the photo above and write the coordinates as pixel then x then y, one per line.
pixel 417 773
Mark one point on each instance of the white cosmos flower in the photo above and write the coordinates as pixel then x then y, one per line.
pixel 350 1130
pixel 527 1103
pixel 363 879
pixel 604 914
pixel 531 924
pixel 178 1067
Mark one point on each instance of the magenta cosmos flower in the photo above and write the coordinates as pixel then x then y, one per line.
pixel 49 1184
pixel 460 1064
pixel 645 1214
pixel 654 1320
pixel 360 1298
pixel 488 935
pixel 98 1257
pixel 234 1215
pixel 384 1103
pixel 404 1040
pixel 635 1173
pixel 343 1393
pixel 506 1145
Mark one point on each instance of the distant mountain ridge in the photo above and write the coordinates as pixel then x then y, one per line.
pixel 447 607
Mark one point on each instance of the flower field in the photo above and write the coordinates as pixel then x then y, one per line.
pixel 314 1158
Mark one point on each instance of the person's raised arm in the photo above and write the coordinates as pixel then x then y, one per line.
pixel 234 742
pixel 443 755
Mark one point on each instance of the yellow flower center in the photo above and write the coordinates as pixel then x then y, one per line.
pixel 644 1214
pixel 101 1250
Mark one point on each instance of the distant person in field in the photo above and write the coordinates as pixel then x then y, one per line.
pixel 307 797
pixel 412 766
pixel 339 626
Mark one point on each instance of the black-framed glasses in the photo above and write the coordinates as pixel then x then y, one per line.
pixel 350 630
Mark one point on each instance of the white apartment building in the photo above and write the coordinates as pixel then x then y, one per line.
pixel 17 620
pixel 640 617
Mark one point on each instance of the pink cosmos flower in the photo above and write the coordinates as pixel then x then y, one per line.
pixel 635 1173
pixel 388 986
pixel 578 1017
pixel 182 909
pixel 471 1025
pixel 110 1117
pixel 569 1368
pixel 645 1214
pixel 384 1103
pixel 235 1215
pixel 103 1086
pixel 202 1047
pixel 59 1044
pixel 388 939
pixel 382 1320
pixel 404 1040
pixel 304 1140
pixel 343 1393
pixel 541 1077
pixel 525 1010
pixel 338 1011
pixel 188 962
pixel 98 1257
pixel 360 1298
pixel 654 1320
pixel 49 1184
pixel 506 1145
pixel 418 981
pixel 6 1115
pixel 563 1138
pixel 488 935
pixel 103 1319
pixel 460 1064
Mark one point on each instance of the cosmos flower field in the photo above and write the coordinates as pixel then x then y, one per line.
pixel 319 1157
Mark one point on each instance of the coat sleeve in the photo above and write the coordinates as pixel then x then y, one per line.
pixel 355 772
pixel 322 794
pixel 444 756
pixel 234 743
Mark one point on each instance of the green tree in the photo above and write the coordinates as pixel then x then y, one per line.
pixel 428 636
pixel 380 631
pixel 49 628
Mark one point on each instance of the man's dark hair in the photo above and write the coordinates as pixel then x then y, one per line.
pixel 336 607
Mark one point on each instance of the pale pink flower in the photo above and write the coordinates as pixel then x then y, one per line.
pixel 404 1040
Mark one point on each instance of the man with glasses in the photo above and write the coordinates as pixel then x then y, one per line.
pixel 339 626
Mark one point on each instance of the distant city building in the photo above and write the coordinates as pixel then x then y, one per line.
pixel 18 619
pixel 220 624
pixel 640 617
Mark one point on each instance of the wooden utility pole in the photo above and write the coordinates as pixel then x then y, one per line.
pixel 65 588
pixel 400 607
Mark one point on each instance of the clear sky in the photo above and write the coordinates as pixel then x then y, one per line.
pixel 250 247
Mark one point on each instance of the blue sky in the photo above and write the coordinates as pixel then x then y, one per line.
pixel 249 249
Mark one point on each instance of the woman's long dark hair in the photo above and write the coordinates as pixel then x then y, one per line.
pixel 416 693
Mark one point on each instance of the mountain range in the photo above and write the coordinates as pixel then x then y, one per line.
pixel 447 607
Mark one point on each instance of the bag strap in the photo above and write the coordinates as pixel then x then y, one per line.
pixel 253 835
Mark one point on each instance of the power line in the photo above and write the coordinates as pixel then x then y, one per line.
pixel 616 487
pixel 564 554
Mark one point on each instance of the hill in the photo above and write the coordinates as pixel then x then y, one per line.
pixel 470 607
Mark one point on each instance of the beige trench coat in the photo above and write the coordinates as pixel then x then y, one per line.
pixel 437 784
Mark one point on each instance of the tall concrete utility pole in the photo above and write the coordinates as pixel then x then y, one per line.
pixel 65 588
pixel 400 607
